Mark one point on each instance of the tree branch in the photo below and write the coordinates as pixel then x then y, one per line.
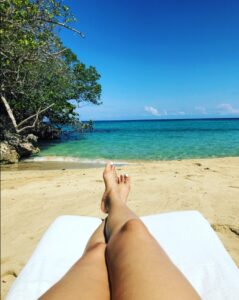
pixel 62 25
pixel 54 53
pixel 11 116
pixel 35 115
pixel 30 126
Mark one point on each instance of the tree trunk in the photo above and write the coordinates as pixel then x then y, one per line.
pixel 11 116
pixel 10 113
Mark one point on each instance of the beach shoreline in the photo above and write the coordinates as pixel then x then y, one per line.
pixel 33 197
pixel 65 162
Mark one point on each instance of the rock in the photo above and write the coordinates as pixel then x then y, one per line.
pixel 15 146
pixel 47 132
pixel 25 146
pixel 26 149
pixel 32 139
pixel 8 154
pixel 12 139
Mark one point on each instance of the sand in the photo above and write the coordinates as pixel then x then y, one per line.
pixel 32 199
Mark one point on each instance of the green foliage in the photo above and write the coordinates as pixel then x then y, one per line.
pixel 37 70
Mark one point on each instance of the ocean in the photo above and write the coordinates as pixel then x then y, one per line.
pixel 147 140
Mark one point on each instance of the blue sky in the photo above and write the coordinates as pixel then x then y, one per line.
pixel 160 59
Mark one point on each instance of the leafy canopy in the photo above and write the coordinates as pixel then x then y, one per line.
pixel 37 70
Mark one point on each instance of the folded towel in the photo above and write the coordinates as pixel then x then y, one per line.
pixel 186 236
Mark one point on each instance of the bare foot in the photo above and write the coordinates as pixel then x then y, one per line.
pixel 116 188
pixel 124 186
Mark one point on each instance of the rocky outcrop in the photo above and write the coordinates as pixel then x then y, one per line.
pixel 15 146
pixel 8 154
pixel 47 132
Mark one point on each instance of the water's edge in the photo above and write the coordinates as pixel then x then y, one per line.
pixel 67 163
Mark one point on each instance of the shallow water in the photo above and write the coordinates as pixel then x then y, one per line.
pixel 148 140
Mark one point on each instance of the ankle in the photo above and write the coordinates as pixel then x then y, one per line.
pixel 116 205
pixel 114 196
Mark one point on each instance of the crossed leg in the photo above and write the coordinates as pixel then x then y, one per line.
pixel 138 268
pixel 137 265
pixel 88 277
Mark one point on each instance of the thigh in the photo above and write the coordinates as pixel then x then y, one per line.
pixel 139 268
pixel 87 279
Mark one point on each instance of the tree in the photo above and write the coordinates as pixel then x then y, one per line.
pixel 39 75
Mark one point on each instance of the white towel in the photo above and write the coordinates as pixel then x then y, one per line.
pixel 187 238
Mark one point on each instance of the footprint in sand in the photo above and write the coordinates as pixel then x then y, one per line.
pixel 198 164
pixel 11 273
pixel 225 228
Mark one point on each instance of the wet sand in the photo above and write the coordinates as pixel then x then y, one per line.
pixel 34 195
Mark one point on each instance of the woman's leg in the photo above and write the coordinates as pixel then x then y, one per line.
pixel 88 278
pixel 138 267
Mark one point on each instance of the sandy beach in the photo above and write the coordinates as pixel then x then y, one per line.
pixel 32 199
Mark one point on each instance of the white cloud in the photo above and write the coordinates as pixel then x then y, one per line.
pixel 152 110
pixel 226 108
pixel 201 109
pixel 155 112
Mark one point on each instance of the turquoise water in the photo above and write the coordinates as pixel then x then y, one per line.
pixel 151 140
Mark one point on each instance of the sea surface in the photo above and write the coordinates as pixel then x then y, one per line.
pixel 147 140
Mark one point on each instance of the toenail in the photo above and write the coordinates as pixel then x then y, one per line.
pixel 111 163
pixel 126 175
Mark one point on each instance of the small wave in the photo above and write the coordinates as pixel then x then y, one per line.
pixel 69 159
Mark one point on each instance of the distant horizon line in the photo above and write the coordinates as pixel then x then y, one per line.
pixel 169 119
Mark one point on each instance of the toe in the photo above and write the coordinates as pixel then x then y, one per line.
pixel 127 178
pixel 108 166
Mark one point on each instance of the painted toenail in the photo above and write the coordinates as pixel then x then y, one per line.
pixel 126 175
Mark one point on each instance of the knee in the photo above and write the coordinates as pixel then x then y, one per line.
pixel 132 234
pixel 97 247
pixel 134 226
pixel 96 251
